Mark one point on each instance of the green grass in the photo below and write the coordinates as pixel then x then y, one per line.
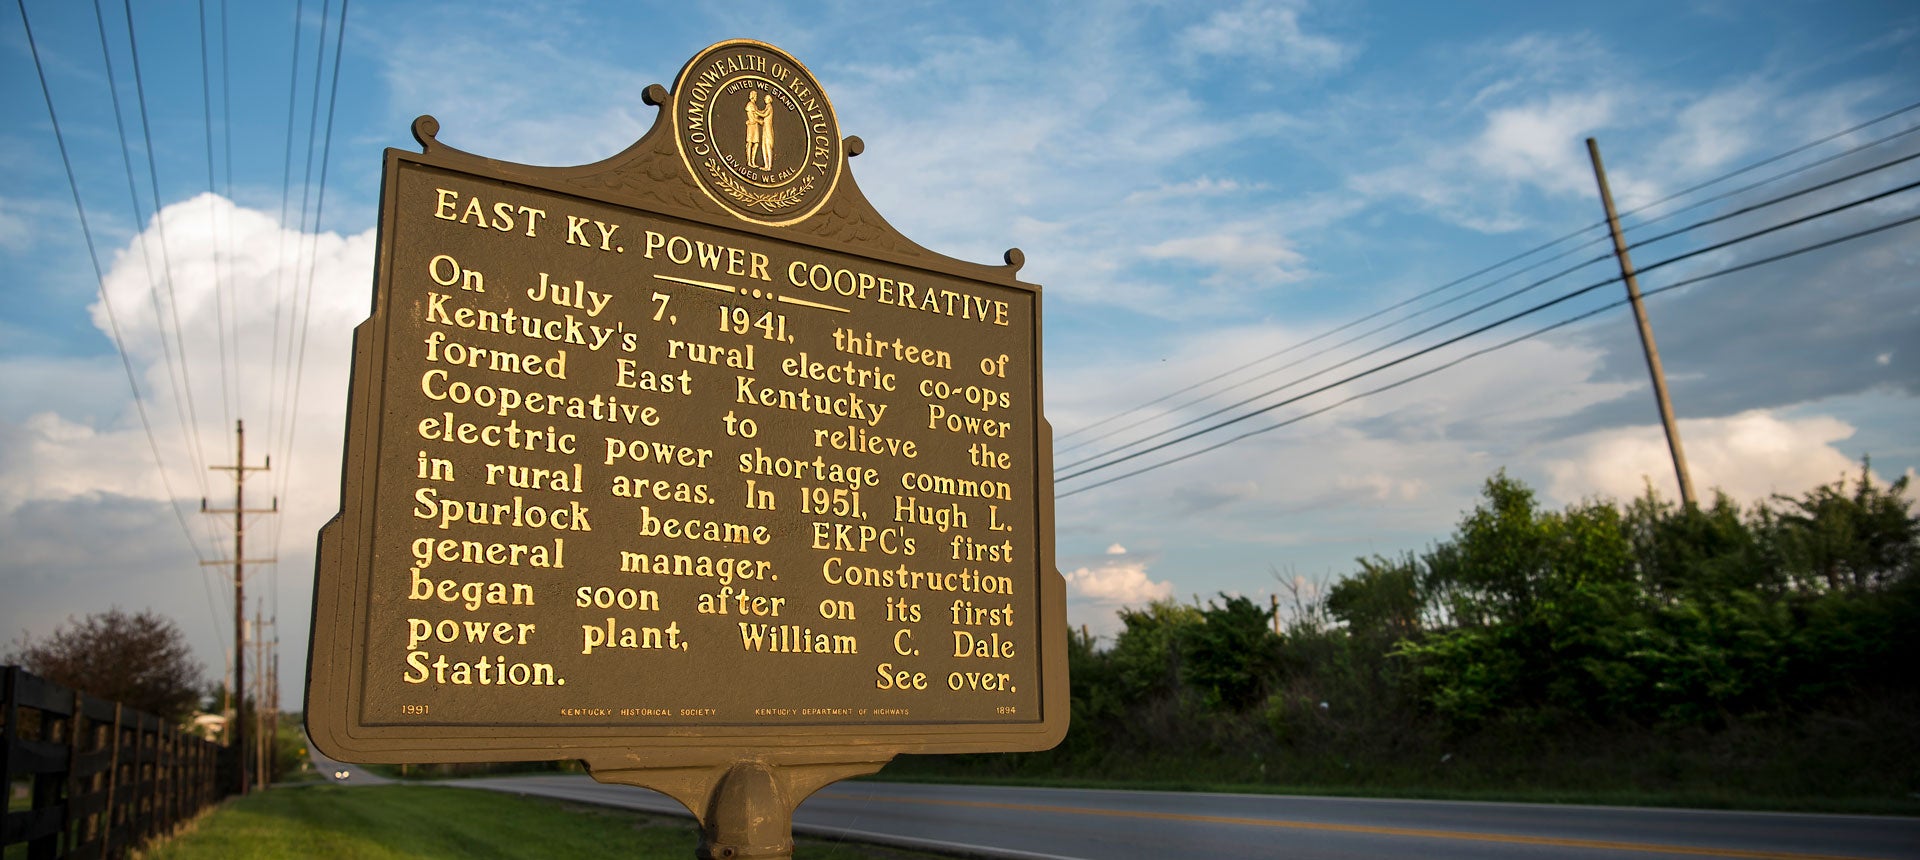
pixel 417 821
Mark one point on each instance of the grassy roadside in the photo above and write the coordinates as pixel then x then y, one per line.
pixel 419 821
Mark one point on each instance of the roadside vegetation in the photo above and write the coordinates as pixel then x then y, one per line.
pixel 422 822
pixel 1635 652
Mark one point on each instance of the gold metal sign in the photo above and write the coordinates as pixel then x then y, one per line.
pixel 686 464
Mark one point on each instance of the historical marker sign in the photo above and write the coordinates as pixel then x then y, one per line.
pixel 683 458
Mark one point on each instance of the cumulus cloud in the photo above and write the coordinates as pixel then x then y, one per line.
pixel 1749 456
pixel 79 464
pixel 1119 583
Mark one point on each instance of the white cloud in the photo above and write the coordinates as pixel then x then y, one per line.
pixel 1239 255
pixel 1384 487
pixel 1264 31
pixel 50 458
pixel 1119 583
pixel 78 465
pixel 1750 456
pixel 1542 143
pixel 1201 188
pixel 1717 128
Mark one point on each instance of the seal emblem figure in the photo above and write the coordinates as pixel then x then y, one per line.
pixel 757 132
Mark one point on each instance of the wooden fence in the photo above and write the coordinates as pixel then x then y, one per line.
pixel 90 778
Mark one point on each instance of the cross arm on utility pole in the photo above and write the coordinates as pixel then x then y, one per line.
pixel 238 738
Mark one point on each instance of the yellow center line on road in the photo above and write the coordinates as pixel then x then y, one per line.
pixel 1548 841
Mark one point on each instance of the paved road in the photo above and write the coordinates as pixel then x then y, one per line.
pixel 341 772
pixel 1124 825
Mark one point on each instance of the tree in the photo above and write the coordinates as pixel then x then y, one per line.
pixel 1231 653
pixel 140 660
pixel 1383 599
pixel 1860 540
pixel 1148 655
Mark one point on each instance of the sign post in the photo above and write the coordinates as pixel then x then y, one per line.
pixel 686 464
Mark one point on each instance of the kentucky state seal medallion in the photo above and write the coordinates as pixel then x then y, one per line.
pixel 756 131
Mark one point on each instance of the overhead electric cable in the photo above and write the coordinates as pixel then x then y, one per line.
pixel 1769 202
pixel 278 364
pixel 319 210
pixel 133 193
pixel 1795 171
pixel 184 381
pixel 1676 195
pixel 1774 158
pixel 286 199
pixel 1349 341
pixel 1744 210
pixel 295 319
pixel 1332 367
pixel 226 235
pixel 100 283
pixel 222 310
pixel 1495 324
pixel 1329 333
pixel 1617 303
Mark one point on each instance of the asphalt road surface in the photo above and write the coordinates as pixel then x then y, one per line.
pixel 1124 825
pixel 342 773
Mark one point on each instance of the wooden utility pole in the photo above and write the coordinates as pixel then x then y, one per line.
pixel 237 739
pixel 1646 330
pixel 263 701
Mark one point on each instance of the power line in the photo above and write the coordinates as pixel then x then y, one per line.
pixel 286 198
pixel 146 258
pixel 275 362
pixel 1383 347
pixel 1775 200
pixel 1526 312
pixel 1522 255
pixel 306 189
pixel 221 299
pixel 226 237
pixel 319 210
pixel 1370 352
pixel 1329 333
pixel 184 380
pixel 100 281
pixel 299 374
pixel 1777 157
pixel 1820 162
pixel 1502 345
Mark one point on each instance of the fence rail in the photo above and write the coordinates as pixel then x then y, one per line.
pixel 98 778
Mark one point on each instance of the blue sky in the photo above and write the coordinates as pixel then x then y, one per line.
pixel 1195 185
